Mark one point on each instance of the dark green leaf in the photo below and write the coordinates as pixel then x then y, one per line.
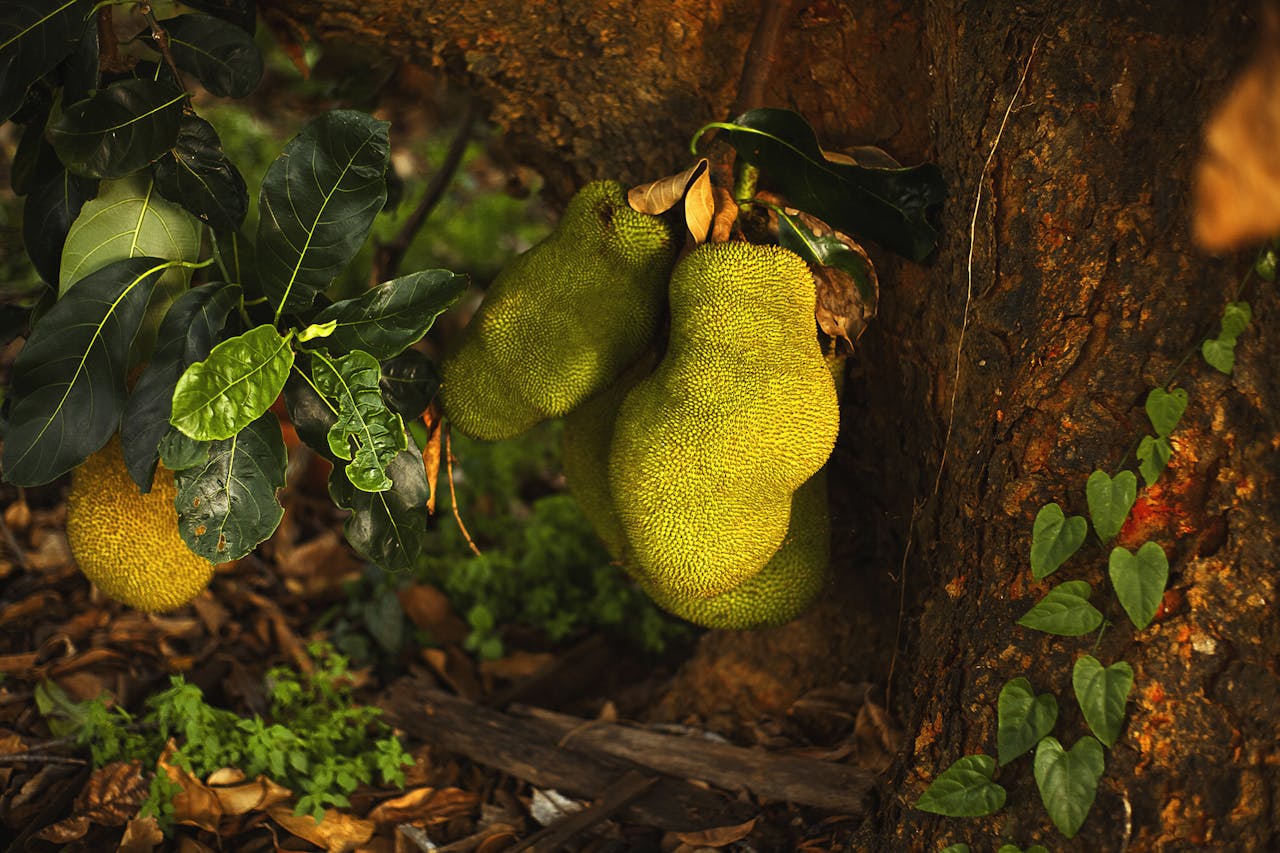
pixel 179 452
pixel 53 203
pixel 68 385
pixel 1023 718
pixel 197 175
pixel 1265 265
pixel 887 205
pixel 1110 499
pixel 1139 580
pixel 827 251
pixel 318 202
pixel 1220 354
pixel 81 70
pixel 234 253
pixel 387 528
pixel 220 54
pixel 1054 538
pixel 964 789
pixel 1165 408
pixel 1068 781
pixel 1235 318
pixel 1102 692
pixel 311 415
pixel 35 35
pixel 363 418
pixel 187 334
pixel 409 383
pixel 241 378
pixel 118 130
pixel 242 13
pixel 228 505
pixel 392 316
pixel 1153 455
pixel 34 153
pixel 1065 611
pixel 384 620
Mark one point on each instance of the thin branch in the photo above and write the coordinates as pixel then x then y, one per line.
pixel 38 758
pixel 453 499
pixel 19 557
pixel 161 38
pixel 762 53
pixel 391 255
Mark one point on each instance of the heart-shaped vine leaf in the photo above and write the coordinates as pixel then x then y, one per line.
pixel 387 319
pixel 119 129
pixel 227 505
pixel 1153 455
pixel 1220 352
pixel 1064 611
pixel 35 35
pixel 351 382
pixel 1054 538
pixel 1102 692
pixel 1139 580
pixel 221 55
pixel 241 378
pixel 1068 780
pixel 1165 408
pixel 1110 499
pixel 1024 718
pixel 964 789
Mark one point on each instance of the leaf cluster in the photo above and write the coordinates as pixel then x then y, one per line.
pixel 315 741
pixel 164 320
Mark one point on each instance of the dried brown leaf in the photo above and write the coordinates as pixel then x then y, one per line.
pixel 1237 188
pixel 65 831
pixel 719 836
pixel 518 664
pixel 194 803
pixel 337 833
pixel 141 835
pixel 499 839
pixel 876 736
pixel 843 312
pixel 457 669
pixel 431 454
pixel 429 610
pixel 725 216
pixel 18 515
pixel 257 795
pixel 665 193
pixel 425 806
pixel 700 208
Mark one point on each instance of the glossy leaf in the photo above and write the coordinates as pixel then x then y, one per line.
pixel 887 205
pixel 311 415
pixel 1165 408
pixel 197 174
pixel 1139 580
pixel 828 250
pixel 81 71
pixel 409 383
pixel 363 418
pixel 1153 455
pixel 1110 499
pixel 1054 538
pixel 54 200
pixel 1064 611
pixel 242 13
pixel 964 789
pixel 221 55
pixel 1068 780
pixel 35 35
pixel 1023 718
pixel 68 381
pixel 318 202
pixel 188 333
pixel 387 319
pixel 1102 693
pixel 387 528
pixel 241 378
pixel 118 130
pixel 179 452
pixel 127 219
pixel 228 505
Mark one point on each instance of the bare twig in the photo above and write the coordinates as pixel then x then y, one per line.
pixel 390 255
pixel 161 38
pixel 453 498
pixel 38 758
pixel 629 787
pixel 762 53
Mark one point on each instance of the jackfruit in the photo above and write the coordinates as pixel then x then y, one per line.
pixel 561 321
pixel 127 543
pixel 709 449
pixel 779 592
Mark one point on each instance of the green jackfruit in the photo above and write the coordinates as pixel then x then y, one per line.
pixel 561 322
pixel 709 449
pixel 779 592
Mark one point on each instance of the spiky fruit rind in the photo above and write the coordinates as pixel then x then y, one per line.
pixel 561 321
pixel 787 585
pixel 128 543
pixel 742 410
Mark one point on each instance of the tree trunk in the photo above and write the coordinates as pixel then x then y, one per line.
pixel 1069 291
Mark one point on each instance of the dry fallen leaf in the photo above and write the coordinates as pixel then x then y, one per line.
pixel 429 610
pixel 1237 187
pixel 141 835
pixel 245 797
pixel 425 806
pixel 725 216
pixel 337 833
pixel 843 312
pixel 194 804
pixel 663 194
pixel 719 836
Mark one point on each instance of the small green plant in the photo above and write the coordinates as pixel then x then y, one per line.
pixel 1067 778
pixel 315 741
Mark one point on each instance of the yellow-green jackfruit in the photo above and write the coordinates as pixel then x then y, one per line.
pixel 128 543
pixel 779 592
pixel 561 321
pixel 709 449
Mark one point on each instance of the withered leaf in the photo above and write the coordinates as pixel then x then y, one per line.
pixel 847 286
pixel 431 455
pixel 663 194
pixel 719 836
pixel 425 806
pixel 337 833
pixel 141 835
pixel 194 803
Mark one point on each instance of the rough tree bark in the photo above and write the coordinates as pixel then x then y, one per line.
pixel 1082 292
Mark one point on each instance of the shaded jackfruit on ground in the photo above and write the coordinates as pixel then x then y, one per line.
pixel 127 543
pixel 561 322
pixel 742 410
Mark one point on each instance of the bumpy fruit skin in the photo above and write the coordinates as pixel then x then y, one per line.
pixel 127 543
pixel 779 592
pixel 563 320
pixel 742 410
